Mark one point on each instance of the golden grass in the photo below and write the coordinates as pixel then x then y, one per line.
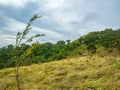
pixel 80 73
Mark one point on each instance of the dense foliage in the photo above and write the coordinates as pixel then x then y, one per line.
pixel 93 43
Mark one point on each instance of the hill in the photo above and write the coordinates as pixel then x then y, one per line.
pixel 101 43
pixel 79 73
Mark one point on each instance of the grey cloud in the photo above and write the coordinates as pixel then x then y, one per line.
pixel 67 19
pixel 89 17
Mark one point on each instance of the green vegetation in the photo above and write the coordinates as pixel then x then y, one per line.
pixel 79 73
pixel 91 62
pixel 20 36
pixel 99 43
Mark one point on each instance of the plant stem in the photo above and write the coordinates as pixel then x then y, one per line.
pixel 17 70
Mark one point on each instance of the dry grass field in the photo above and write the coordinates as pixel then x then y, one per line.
pixel 79 73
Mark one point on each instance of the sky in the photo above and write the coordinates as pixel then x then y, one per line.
pixel 61 19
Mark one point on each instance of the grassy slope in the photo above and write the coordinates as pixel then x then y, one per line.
pixel 81 73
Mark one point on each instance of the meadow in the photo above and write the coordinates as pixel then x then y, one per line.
pixel 78 73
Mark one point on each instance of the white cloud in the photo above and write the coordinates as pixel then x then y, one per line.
pixel 59 12
pixel 71 18
pixel 6 40
pixel 53 4
pixel 67 15
pixel 15 3
pixel 77 16
pixel 48 4
pixel 15 26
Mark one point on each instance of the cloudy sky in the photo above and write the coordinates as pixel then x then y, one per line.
pixel 61 19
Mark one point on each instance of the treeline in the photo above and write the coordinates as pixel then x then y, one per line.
pixel 100 43
pixel 35 53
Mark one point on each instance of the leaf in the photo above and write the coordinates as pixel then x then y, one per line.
pixel 19 34
pixel 35 17
pixel 38 35
pixel 29 40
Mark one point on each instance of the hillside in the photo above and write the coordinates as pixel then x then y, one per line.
pixel 101 43
pixel 79 73
pixel 106 42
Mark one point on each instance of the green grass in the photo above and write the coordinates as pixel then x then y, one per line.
pixel 80 73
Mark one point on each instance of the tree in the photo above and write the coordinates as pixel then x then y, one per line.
pixel 68 41
pixel 60 43
pixel 20 36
